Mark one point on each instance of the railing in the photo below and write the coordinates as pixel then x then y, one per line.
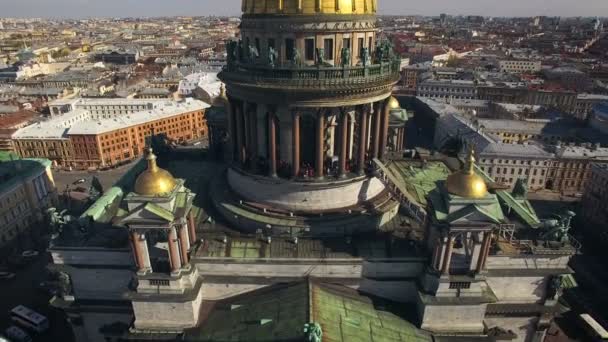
pixel 313 75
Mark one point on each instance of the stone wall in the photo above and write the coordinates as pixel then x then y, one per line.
pixel 303 197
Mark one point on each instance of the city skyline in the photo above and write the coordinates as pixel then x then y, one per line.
pixel 154 8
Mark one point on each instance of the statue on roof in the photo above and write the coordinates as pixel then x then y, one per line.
pixel 320 56
pixel 296 58
pixel 520 190
pixel 365 58
pixel 313 332
pixel 231 52
pixel 557 229
pixel 272 56
pixel 345 57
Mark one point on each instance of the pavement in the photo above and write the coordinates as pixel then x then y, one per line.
pixel 107 178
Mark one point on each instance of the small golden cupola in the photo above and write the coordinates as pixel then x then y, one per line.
pixel 466 182
pixel 221 100
pixel 154 181
pixel 393 103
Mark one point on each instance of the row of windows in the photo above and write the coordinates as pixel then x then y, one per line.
pixel 514 162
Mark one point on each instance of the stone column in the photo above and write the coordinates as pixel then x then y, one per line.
pixel 231 131
pixel 487 236
pixel 320 146
pixel 272 145
pixel 295 132
pixel 384 130
pixel 476 252
pixel 174 259
pixel 486 252
pixel 343 143
pixel 184 244
pixel 247 130
pixel 191 227
pixel 362 141
pixel 447 257
pixel 436 254
pixel 240 135
pixel 376 121
pixel 253 135
pixel 138 253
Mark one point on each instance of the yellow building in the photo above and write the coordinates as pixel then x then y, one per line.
pixel 27 189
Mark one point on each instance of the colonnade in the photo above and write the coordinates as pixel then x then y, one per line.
pixel 179 239
pixel 245 133
pixel 477 245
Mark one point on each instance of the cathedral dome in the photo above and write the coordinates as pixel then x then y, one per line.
pixel 466 183
pixel 154 181
pixel 309 6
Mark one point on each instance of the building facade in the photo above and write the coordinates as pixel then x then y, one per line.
pixel 27 189
pixel 594 205
pixel 520 66
pixel 447 89
pixel 103 133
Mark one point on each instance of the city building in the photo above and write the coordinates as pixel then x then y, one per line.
pixel 585 104
pixel 520 66
pixel 100 133
pixel 599 117
pixel 27 189
pixel 594 205
pixel 447 89
pixel 120 56
pixel 510 150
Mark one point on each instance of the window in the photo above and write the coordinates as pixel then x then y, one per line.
pixel 289 45
pixel 328 44
pixel 271 43
pixel 369 44
pixel 309 49
pixel 460 285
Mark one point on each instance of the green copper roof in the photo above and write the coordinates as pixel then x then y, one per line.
pixel 159 211
pixel 418 180
pixel 347 316
pixel 279 312
pixel 106 206
pixel 521 208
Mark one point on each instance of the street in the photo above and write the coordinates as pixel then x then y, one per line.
pixel 107 178
pixel 23 289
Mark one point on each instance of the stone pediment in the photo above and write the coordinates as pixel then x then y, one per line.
pixel 471 214
pixel 148 213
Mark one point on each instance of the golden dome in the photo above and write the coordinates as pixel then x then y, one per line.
pixel 309 6
pixel 393 103
pixel 154 181
pixel 221 100
pixel 466 183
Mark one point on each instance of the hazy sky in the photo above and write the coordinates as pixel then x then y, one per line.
pixel 135 8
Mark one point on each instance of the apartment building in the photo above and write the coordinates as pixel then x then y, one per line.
pixel 27 189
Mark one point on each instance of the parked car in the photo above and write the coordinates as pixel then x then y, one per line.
pixel 17 334
pixel 7 275
pixel 79 181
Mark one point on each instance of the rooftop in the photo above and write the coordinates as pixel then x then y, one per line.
pixel 79 121
pixel 14 170
pixel 343 313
